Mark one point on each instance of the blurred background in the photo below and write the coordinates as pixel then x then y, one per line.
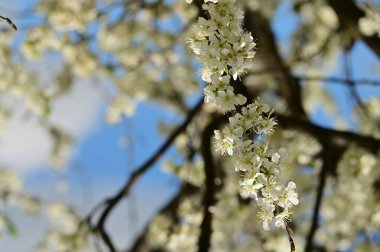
pixel 90 89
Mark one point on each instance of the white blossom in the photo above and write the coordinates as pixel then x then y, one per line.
pixel 370 23
pixel 289 196
pixel 282 218
pixel 250 188
pixel 266 213
pixel 226 51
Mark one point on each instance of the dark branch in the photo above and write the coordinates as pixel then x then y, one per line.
pixel 268 53
pixel 349 15
pixel 331 155
pixel 338 80
pixel 318 132
pixel 112 202
pixel 352 87
pixel 10 23
pixel 332 79
pixel 169 208
pixel 209 199
pixel 321 133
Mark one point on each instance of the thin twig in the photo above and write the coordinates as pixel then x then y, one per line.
pixel 112 202
pixel 289 231
pixel 10 23
pixel 332 79
pixel 351 84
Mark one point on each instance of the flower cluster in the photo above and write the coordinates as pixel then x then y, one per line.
pixel 221 94
pixel 370 23
pixel 226 51
pixel 220 43
pixel 258 165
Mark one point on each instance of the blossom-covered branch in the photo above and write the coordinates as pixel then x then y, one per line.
pixel 226 51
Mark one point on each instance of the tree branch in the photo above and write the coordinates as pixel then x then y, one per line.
pixel 318 132
pixel 338 80
pixel 331 154
pixel 352 87
pixel 169 208
pixel 321 133
pixel 349 15
pixel 288 87
pixel 209 199
pixel 10 23
pixel 112 202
